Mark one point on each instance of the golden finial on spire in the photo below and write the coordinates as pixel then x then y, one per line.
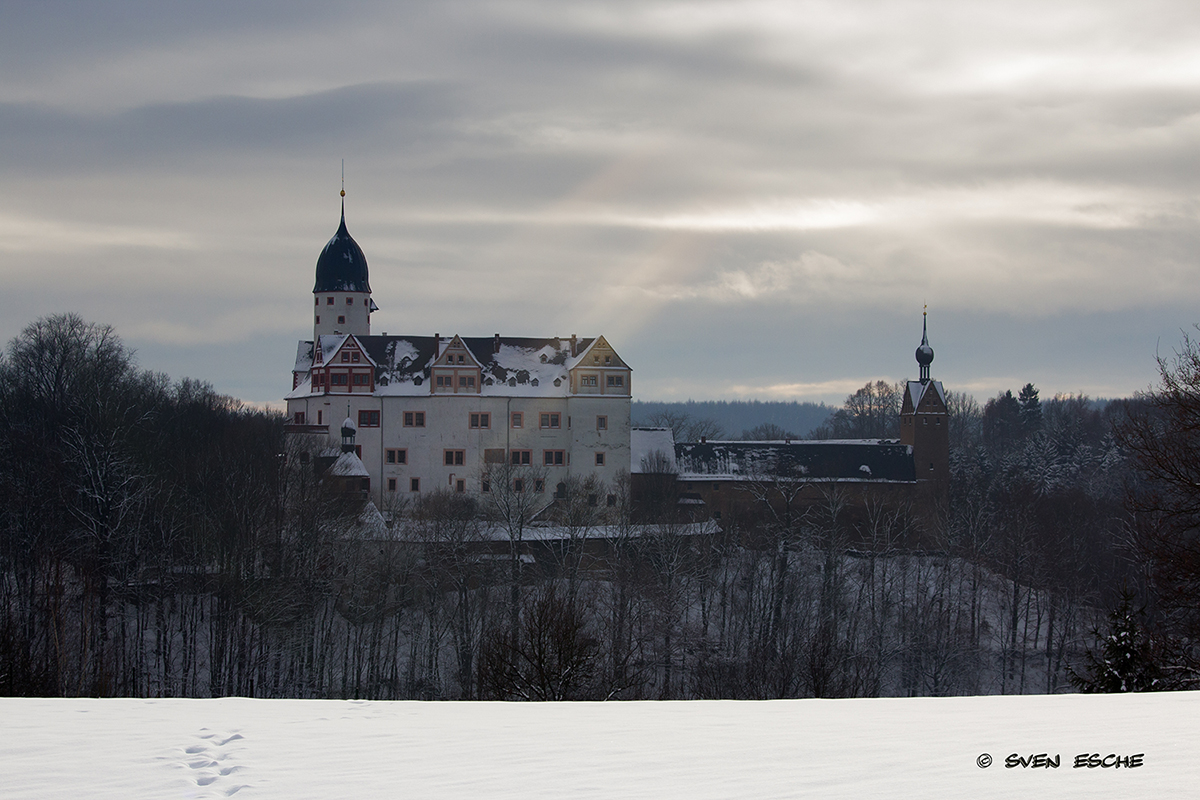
pixel 343 177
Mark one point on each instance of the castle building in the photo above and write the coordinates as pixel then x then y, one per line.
pixel 728 480
pixel 925 420
pixel 450 411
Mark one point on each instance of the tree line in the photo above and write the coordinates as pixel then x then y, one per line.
pixel 161 540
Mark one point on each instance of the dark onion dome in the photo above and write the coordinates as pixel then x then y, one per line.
pixel 924 352
pixel 342 267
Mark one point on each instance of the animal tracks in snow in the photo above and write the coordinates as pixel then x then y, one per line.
pixel 209 763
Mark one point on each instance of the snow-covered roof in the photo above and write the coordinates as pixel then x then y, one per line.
pixel 518 367
pixel 645 441
pixel 348 465
pixel 917 390
pixel 842 460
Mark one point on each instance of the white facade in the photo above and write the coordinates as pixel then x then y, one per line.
pixel 435 411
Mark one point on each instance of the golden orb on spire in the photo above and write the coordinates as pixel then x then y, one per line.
pixel 343 192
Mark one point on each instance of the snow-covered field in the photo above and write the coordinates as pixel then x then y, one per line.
pixel 921 747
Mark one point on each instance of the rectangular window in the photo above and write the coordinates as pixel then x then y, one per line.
pixel 414 484
pixel 493 456
pixel 611 500
pixel 460 486
pixel 298 418
pixel 553 458
pixel 328 301
pixel 599 459
pixel 338 379
pixel 550 420
pixel 349 301
pixel 616 380
pixel 481 420
pixel 518 484
pixel 318 319
pixel 368 419
pixel 414 419
pixel 485 484
pixel 354 357
pixel 391 484
pixel 362 380
pixel 539 485
pixel 518 419
pixel 602 423
pixel 396 456
pixel 588 380
pixel 319 415
pixel 455 458
pixel 341 320
pixel 522 458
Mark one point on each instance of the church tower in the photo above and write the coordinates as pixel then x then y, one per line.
pixel 342 295
pixel 924 418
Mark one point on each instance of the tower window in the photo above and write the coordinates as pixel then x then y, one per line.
pixel 341 320
pixel 316 301
pixel 318 319
pixel 349 301
pixel 328 301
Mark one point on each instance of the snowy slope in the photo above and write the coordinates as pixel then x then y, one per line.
pixel 921 747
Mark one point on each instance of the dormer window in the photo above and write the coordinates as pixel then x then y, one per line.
pixel 354 357
pixel 345 358
pixel 607 360
pixel 460 358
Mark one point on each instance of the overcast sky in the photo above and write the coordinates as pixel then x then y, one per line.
pixel 750 200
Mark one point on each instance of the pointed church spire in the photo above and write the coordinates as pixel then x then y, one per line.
pixel 925 352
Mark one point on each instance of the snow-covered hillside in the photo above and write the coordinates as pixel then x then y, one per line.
pixel 921 747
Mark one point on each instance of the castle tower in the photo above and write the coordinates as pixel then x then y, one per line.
pixel 924 418
pixel 342 293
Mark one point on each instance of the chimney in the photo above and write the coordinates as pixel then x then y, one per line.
pixel 703 440
pixel 574 345
pixel 496 344
pixel 437 344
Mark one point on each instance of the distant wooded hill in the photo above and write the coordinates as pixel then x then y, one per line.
pixel 735 416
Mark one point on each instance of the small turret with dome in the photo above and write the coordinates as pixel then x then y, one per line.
pixel 924 351
pixel 342 292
